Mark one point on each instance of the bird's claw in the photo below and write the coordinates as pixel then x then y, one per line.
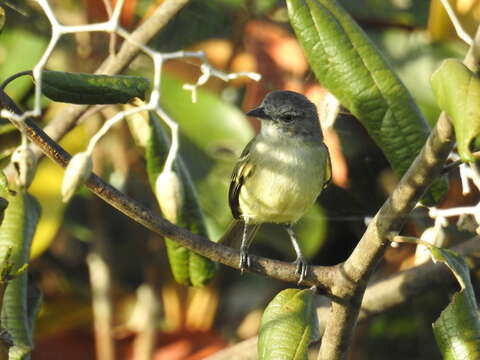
pixel 244 261
pixel 301 269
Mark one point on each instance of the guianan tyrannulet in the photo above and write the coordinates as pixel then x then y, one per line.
pixel 281 171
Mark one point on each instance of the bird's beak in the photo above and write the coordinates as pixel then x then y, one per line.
pixel 258 113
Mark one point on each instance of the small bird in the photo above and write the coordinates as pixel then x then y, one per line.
pixel 281 171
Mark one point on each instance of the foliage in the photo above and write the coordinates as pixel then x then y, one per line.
pixel 289 324
pixel 16 233
pixel 457 330
pixel 358 63
pixel 457 90
pixel 92 89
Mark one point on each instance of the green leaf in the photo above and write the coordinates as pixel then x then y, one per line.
pixel 188 267
pixel 457 330
pixel 457 90
pixel 79 88
pixel 289 324
pixel 414 58
pixel 16 233
pixel 25 48
pixel 349 65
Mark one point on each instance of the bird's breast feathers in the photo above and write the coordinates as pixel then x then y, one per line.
pixel 287 178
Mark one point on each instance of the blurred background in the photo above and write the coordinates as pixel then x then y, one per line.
pixel 236 35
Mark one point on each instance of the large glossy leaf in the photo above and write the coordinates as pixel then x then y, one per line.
pixel 458 93
pixel 289 324
pixel 414 58
pixel 188 267
pixel 16 233
pixel 348 64
pixel 79 88
pixel 457 330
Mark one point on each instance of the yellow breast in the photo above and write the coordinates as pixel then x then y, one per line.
pixel 286 180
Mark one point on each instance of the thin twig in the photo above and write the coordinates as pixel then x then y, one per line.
pixel 462 34
pixel 13 77
pixel 457 163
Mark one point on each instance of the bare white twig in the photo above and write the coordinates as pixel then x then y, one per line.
pixel 462 34
pixel 112 26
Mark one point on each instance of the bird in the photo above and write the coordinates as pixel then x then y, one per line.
pixel 280 173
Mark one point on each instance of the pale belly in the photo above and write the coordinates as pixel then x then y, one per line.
pixel 285 186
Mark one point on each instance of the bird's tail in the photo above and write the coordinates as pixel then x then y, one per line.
pixel 234 233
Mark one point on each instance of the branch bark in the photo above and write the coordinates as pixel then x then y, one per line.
pixel 351 281
pixel 386 294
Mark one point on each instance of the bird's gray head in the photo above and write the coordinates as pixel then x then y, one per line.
pixel 288 112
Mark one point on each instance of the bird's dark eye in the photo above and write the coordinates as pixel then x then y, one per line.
pixel 288 117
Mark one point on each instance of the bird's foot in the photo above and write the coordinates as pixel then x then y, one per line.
pixel 301 269
pixel 244 261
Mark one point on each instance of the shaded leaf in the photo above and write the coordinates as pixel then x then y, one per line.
pixel 188 267
pixel 457 90
pixel 16 233
pixel 414 58
pixel 457 330
pixel 349 65
pixel 79 88
pixel 288 325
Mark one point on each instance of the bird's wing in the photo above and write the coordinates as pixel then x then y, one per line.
pixel 328 169
pixel 243 169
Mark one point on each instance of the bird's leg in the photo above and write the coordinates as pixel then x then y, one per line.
pixel 302 266
pixel 244 258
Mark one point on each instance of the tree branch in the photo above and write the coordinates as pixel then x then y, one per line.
pixel 351 281
pixel 386 294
